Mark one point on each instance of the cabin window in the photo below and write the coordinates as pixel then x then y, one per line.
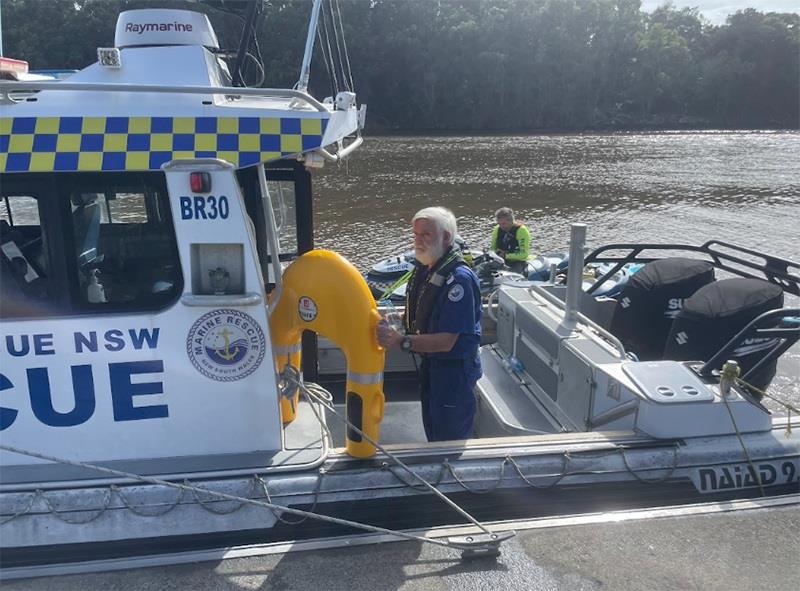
pixel 21 210
pixel 24 289
pixel 125 254
pixel 283 190
pixel 78 243
pixel 127 208
pixel 282 195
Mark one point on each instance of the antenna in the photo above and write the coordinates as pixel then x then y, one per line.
pixel 244 42
pixel 305 69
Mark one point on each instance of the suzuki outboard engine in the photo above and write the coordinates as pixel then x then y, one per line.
pixel 651 300
pixel 715 314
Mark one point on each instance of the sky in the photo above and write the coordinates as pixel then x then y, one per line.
pixel 717 10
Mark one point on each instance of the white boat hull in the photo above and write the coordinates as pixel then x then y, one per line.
pixel 592 470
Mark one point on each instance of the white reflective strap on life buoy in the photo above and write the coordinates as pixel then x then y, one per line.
pixel 287 349
pixel 365 378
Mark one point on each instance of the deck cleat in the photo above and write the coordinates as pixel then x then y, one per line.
pixel 484 545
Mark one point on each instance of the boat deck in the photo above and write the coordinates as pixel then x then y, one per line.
pixel 689 548
pixel 402 421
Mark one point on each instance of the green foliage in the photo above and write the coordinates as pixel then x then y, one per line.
pixel 490 65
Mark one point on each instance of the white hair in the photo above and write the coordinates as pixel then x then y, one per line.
pixel 442 218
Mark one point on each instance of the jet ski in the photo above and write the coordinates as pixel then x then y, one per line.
pixel 387 279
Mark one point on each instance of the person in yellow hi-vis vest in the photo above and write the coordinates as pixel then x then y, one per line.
pixel 511 240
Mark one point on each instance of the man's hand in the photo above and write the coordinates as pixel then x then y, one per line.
pixel 502 253
pixel 388 336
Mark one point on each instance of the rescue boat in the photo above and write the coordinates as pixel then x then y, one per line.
pixel 159 356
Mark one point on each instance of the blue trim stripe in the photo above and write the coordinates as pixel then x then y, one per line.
pixel 161 124
pixel 42 144
pixel 23 125
pixel 70 125
pixel 117 125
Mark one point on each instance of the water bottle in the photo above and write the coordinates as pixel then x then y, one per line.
pixel 95 292
pixel 512 364
pixel 390 314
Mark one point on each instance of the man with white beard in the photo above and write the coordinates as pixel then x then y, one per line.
pixel 442 324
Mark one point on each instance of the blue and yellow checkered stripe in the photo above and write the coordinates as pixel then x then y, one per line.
pixel 52 144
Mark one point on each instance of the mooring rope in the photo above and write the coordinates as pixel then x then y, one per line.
pixel 728 376
pixel 326 401
pixel 265 504
pixel 789 407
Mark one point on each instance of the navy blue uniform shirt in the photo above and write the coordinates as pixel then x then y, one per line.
pixel 458 310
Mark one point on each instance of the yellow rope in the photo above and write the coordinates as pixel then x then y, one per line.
pixel 390 290
pixel 727 376
pixel 789 408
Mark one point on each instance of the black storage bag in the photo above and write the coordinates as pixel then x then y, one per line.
pixel 715 314
pixel 652 298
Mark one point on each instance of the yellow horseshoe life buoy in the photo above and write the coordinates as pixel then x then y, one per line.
pixel 325 293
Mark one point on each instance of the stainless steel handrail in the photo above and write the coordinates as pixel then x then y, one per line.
pixel 272 237
pixel 9 87
pixel 607 336
pixel 216 301
pixel 343 153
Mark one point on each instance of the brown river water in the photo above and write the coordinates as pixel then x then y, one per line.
pixel 688 187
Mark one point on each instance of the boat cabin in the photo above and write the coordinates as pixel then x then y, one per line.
pixel 147 209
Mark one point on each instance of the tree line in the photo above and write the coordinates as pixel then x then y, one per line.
pixel 488 65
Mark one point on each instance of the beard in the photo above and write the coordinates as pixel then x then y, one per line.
pixel 431 254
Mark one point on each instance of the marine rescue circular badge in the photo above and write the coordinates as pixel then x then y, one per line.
pixel 226 345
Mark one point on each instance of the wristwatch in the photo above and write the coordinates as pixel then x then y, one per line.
pixel 405 344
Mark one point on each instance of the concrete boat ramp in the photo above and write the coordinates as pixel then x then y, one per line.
pixel 745 544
